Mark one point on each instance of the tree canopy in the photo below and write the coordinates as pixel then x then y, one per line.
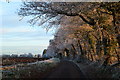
pixel 87 29
pixel 53 12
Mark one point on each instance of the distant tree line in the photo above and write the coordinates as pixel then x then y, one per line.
pixel 29 55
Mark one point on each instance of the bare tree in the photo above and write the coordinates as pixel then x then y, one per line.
pixel 53 12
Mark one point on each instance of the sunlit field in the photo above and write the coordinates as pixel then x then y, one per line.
pixel 36 69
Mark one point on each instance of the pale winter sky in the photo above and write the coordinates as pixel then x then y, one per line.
pixel 18 36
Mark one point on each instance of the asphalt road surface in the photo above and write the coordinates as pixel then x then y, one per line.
pixel 66 69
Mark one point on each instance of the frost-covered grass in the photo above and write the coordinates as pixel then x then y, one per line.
pixel 95 70
pixel 30 70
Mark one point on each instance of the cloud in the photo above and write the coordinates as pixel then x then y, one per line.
pixel 5 30
pixel 24 36
pixel 24 33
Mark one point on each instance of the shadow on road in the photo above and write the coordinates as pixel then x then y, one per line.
pixel 66 69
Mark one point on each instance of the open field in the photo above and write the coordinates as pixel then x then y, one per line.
pixel 36 69
pixel 12 61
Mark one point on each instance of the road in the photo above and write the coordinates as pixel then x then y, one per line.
pixel 66 69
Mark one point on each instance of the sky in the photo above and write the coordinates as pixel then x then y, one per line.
pixel 18 37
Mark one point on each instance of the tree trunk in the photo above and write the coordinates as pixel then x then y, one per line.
pixel 106 44
pixel 89 56
pixel 106 61
pixel 98 48
pixel 80 47
pixel 116 28
pixel 74 50
pixel 118 39
pixel 118 57
pixel 92 57
pixel 114 19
